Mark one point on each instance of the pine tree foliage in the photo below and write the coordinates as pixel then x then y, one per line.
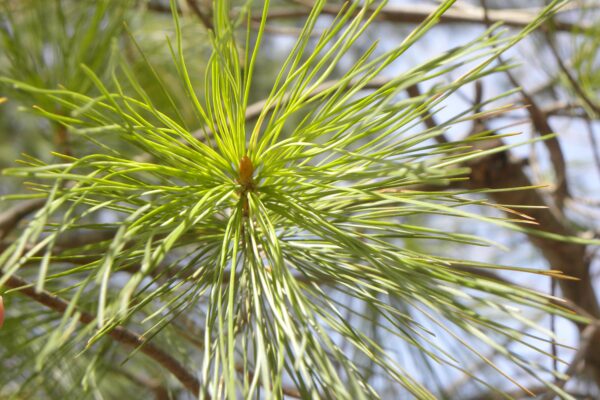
pixel 266 257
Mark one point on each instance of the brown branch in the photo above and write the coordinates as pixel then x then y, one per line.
pixel 118 334
pixel 532 391
pixel 1 312
pixel 76 240
pixel 417 13
pixel 497 171
pixel 204 18
pixel 541 124
pixel 11 217
pixel 562 109
pixel 160 7
pixel 593 143
pixel 62 140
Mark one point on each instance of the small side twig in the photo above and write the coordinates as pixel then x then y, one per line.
pixel 592 105
pixel 428 120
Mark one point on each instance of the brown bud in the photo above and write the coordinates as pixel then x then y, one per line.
pixel 1 312
pixel 246 171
